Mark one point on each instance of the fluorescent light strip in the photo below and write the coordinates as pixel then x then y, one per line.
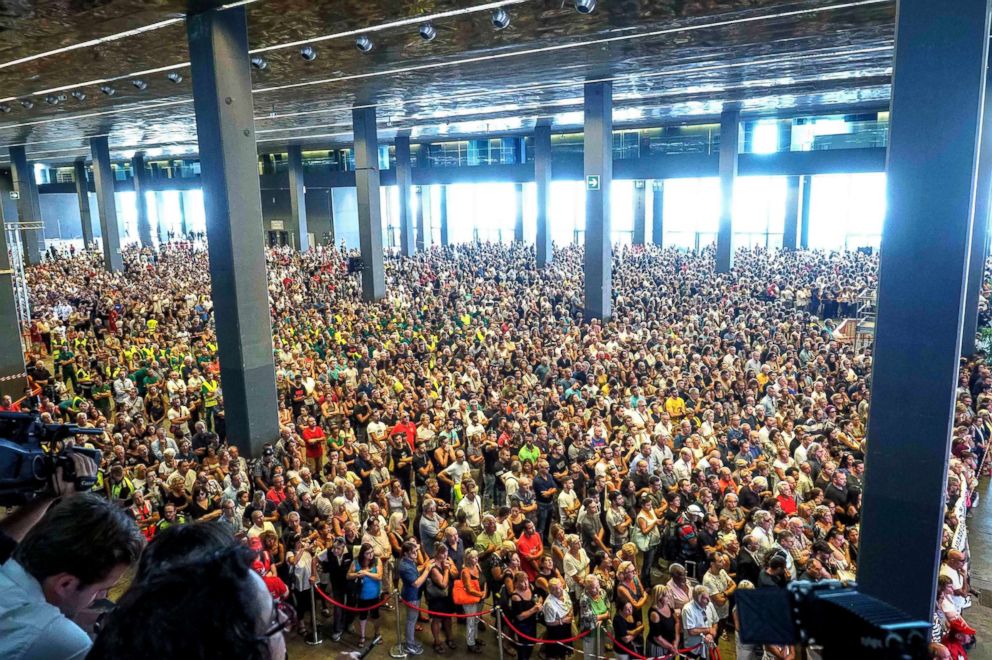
pixel 415 20
pixel 308 137
pixel 807 56
pixel 182 65
pixel 558 104
pixel 94 114
pixel 577 44
pixel 94 42
pixel 485 94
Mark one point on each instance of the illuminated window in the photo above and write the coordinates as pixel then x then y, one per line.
pixel 846 211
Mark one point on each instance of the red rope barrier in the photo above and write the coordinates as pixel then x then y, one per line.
pixel 660 657
pixel 450 616
pixel 348 607
pixel 506 619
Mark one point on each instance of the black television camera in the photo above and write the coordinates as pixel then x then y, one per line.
pixel 30 453
pixel 833 615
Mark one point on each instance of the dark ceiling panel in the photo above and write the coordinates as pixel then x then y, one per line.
pixel 672 60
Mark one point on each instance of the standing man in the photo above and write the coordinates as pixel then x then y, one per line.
pixel 412 580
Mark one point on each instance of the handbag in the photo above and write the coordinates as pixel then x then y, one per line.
pixel 434 591
pixel 461 596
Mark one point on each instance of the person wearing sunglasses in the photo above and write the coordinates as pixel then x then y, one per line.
pixel 196 573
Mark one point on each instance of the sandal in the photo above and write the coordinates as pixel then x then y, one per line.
pixel 419 628
pixel 451 644
pixel 361 641
pixel 439 649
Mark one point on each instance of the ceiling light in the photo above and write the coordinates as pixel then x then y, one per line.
pixel 27 103
pixel 500 19
pixel 259 62
pixel 4 108
pixel 175 76
pixel 51 100
pixel 364 44
pixel 585 6
pixel 308 53
pixel 108 90
pixel 79 95
pixel 427 32
pixel 139 84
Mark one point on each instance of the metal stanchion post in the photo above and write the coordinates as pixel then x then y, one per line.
pixel 499 631
pixel 316 640
pixel 399 651
pixel 599 638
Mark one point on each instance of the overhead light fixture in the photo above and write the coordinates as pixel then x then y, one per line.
pixel 51 100
pixel 108 90
pixel 79 95
pixel 27 104
pixel 500 19
pixel 585 6
pixel 259 62
pixel 175 76
pixel 4 108
pixel 308 53
pixel 139 84
pixel 364 44
pixel 428 32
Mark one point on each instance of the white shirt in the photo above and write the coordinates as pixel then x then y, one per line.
pixel 694 616
pixel 31 628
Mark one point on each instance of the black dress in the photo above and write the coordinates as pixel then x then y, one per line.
pixel 528 626
pixel 664 627
pixel 621 628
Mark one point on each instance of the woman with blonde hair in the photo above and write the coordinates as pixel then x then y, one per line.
pixel 594 610
pixel 557 610
pixel 663 625
pixel 471 577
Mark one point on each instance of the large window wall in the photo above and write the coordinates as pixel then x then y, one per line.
pixel 846 211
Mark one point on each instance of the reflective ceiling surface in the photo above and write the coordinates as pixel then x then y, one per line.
pixel 671 61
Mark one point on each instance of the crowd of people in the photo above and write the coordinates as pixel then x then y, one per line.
pixel 469 442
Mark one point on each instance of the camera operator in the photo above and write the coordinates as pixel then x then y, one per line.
pixel 72 556
pixel 15 525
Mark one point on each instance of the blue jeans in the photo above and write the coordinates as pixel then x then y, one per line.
pixel 649 557
pixel 411 626
pixel 544 512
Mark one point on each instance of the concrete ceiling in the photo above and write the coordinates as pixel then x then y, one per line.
pixel 671 61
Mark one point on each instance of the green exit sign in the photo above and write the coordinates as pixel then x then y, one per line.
pixel 592 182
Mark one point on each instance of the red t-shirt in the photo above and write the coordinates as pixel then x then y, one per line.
pixel 409 430
pixel 526 545
pixel 314 439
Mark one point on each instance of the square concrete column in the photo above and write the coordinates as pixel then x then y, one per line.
pixel 941 52
pixel 28 206
pixel 83 192
pixel 225 126
pixel 640 212
pixel 598 149
pixel 805 195
pixel 404 180
pixel 106 204
pixel 297 200
pixel 790 236
pixel 423 231
pixel 369 214
pixel 13 378
pixel 140 178
pixel 730 135
pixel 542 177
pixel 979 228
pixel 518 220
pixel 658 213
pixel 444 216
